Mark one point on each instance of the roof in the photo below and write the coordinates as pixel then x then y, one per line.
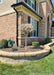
pixel 52 23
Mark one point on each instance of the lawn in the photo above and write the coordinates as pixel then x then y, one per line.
pixel 44 66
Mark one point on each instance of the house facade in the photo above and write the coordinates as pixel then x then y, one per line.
pixel 13 13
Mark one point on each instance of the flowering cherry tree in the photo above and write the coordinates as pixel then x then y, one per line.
pixel 25 30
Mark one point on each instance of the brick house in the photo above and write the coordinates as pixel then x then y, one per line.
pixel 16 12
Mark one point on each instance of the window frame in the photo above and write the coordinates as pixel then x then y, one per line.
pixel 30 5
pixel 33 33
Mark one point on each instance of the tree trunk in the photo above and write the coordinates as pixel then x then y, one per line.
pixel 26 43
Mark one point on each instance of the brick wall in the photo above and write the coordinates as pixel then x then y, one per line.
pixel 8 26
pixel 30 40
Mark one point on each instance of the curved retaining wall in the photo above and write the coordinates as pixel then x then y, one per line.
pixel 37 53
pixel 10 57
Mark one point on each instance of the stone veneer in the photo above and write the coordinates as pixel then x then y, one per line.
pixel 44 11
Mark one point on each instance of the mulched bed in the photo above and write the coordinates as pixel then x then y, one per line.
pixel 29 49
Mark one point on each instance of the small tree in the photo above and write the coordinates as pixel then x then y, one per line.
pixel 25 29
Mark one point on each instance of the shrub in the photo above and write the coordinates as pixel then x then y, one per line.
pixel 47 40
pixel 21 46
pixel 42 42
pixel 35 44
pixel 14 49
pixel 3 43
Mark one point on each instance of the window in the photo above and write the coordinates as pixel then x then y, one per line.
pixel 31 3
pixel 34 24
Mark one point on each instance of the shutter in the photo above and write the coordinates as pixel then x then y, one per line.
pixel 28 19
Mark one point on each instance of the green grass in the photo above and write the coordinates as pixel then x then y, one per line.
pixel 44 66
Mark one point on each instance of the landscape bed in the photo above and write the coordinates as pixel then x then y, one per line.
pixel 44 66
pixel 29 49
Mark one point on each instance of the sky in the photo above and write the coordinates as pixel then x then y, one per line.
pixel 53 5
pixel 53 19
pixel 52 2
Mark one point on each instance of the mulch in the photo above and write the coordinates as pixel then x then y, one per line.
pixel 29 49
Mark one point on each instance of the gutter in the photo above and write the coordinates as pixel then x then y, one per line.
pixel 16 24
pixel 25 5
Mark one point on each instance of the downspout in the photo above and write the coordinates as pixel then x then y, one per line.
pixel 17 26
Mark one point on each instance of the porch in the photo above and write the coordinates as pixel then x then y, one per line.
pixel 30 12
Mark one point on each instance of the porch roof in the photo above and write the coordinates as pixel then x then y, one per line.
pixel 24 7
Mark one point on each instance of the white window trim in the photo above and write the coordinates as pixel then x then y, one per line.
pixel 32 1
